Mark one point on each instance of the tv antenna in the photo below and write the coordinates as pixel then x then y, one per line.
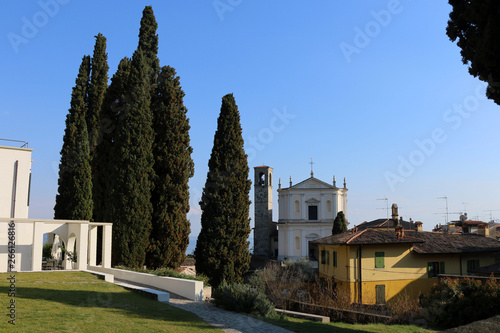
pixel 446 200
pixel 386 206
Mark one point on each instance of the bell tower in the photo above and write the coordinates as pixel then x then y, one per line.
pixel 263 209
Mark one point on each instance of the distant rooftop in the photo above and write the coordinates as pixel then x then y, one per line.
pixel 14 143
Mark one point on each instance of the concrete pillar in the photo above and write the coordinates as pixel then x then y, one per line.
pixel 290 206
pixel 106 246
pixel 92 245
pixel 291 242
pixel 37 248
pixel 82 239
pixel 303 207
pixel 322 204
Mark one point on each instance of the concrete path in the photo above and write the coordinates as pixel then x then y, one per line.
pixel 228 321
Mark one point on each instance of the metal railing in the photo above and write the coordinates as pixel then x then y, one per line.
pixel 24 143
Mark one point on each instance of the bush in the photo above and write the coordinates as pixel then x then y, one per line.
pixel 47 250
pixel 242 298
pixel 455 302
pixel 169 273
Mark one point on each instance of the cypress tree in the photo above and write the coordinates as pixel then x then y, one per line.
pixel 133 169
pixel 173 167
pixel 74 200
pixel 222 250
pixel 148 43
pixel 103 165
pixel 339 224
pixel 97 90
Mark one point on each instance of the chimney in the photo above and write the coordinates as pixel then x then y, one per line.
pixel 400 231
pixel 483 230
pixel 395 212
pixel 418 226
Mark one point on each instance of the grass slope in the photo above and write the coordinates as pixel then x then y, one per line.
pixel 81 302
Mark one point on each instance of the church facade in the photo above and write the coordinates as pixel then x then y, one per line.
pixel 306 213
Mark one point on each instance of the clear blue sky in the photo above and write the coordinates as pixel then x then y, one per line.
pixel 371 90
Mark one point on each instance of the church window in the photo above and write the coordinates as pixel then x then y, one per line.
pixel 297 243
pixel 329 205
pixel 270 179
pixel 313 213
pixel 262 179
pixel 297 206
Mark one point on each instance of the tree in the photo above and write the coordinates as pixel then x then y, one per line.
pixel 173 167
pixel 74 200
pixel 475 24
pixel 97 90
pixel 132 159
pixel 339 224
pixel 222 251
pixel 113 103
pixel 148 43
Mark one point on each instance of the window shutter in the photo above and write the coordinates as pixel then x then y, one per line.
pixel 379 259
pixel 441 267
pixel 430 272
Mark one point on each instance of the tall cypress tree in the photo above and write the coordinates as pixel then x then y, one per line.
pixel 222 251
pixel 173 167
pixel 103 165
pixel 339 224
pixel 133 160
pixel 97 90
pixel 74 200
pixel 148 43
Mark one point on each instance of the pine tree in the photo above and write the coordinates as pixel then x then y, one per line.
pixel 103 165
pixel 74 200
pixel 133 169
pixel 339 224
pixel 222 250
pixel 173 167
pixel 97 90
pixel 148 43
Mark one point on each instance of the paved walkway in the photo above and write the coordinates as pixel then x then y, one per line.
pixel 228 321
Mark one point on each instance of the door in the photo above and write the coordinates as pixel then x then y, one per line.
pixel 380 293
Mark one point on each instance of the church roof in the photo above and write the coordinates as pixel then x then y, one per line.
pixel 310 182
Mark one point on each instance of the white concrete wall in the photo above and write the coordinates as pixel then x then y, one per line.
pixel 189 289
pixel 8 158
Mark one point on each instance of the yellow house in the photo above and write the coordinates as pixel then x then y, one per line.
pixel 374 265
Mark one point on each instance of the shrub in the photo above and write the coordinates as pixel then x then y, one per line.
pixel 47 250
pixel 471 299
pixel 242 298
pixel 404 308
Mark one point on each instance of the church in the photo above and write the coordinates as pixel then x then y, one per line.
pixel 306 213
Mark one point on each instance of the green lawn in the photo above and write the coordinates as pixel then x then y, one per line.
pixel 81 302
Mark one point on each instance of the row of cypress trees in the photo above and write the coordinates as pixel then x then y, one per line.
pixel 126 155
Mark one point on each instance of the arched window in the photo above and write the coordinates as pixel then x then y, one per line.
pixel 262 179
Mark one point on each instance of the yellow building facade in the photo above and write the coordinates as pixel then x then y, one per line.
pixel 375 265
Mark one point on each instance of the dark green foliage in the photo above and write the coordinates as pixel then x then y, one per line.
pixel 148 43
pixel 474 23
pixel 455 302
pixel 47 250
pixel 132 159
pixel 173 167
pixel 242 298
pixel 74 200
pixel 222 248
pixel 97 90
pixel 112 106
pixel 339 224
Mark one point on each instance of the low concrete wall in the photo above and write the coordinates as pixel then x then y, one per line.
pixel 189 289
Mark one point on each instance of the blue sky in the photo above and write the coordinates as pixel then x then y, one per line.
pixel 373 91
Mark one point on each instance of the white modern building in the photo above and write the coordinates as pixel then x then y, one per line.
pixel 21 238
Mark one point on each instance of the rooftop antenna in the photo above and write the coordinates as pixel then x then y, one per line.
pixel 446 200
pixel 312 172
pixel 465 203
pixel 386 206
pixel 491 210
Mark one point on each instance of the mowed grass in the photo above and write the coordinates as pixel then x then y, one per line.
pixel 81 302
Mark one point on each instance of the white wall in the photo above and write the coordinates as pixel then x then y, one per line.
pixel 8 158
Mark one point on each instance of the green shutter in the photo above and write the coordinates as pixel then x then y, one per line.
pixel 323 256
pixel 430 272
pixel 441 267
pixel 334 258
pixel 328 257
pixel 379 260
